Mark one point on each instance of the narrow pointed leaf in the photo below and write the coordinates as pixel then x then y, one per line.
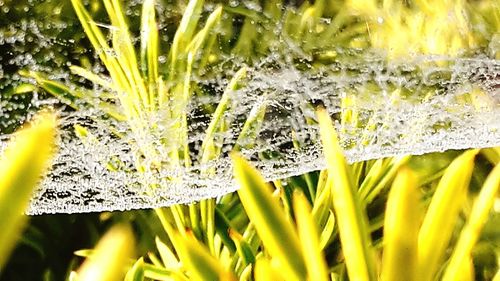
pixel 351 217
pixel 167 256
pixel 222 227
pixel 163 274
pixel 136 273
pixel 245 253
pixel 442 215
pixel 92 77
pixel 327 234
pixel 218 116
pixel 276 232
pixel 402 222
pixel 198 261
pixel 110 257
pixel 470 234
pixel 21 166
pixel 246 274
pixel 309 238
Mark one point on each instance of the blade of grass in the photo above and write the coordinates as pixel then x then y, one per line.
pixel 168 258
pixel 351 219
pixel 162 274
pixel 246 274
pixel 385 177
pixel 184 35
pixel 246 255
pixel 154 259
pixel 92 77
pixel 201 37
pixel 125 52
pixel 207 147
pixel 328 231
pixel 130 101
pixel 222 228
pixel 251 127
pixel 71 96
pixel 322 203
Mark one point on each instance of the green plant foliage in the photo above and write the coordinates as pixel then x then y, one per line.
pixel 383 218
pixel 109 258
pixel 276 232
pixel 402 221
pixel 307 243
pixel 352 219
pixel 22 164
pixel 461 257
pixel 137 92
pixel 442 214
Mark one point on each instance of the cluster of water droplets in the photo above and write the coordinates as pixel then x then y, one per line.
pixel 414 106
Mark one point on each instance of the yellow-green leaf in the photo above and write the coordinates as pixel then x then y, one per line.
pixel 470 234
pixel 25 159
pixel 198 261
pixel 351 217
pixel 24 88
pixel 441 217
pixel 265 272
pixel 402 222
pixel 110 257
pixel 136 273
pixel 208 145
pixel 245 253
pixel 270 221
pixel 167 256
pixel 149 44
pixel 309 238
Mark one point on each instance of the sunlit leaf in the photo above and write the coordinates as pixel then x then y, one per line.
pixel 440 219
pixel 351 217
pixel 309 239
pixel 136 273
pixel 21 166
pixel 462 253
pixel 402 222
pixel 110 256
pixel 276 232
pixel 198 261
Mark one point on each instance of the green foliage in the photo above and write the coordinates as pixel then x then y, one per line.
pixel 276 244
pixel 107 261
pixel 23 162
pixel 327 225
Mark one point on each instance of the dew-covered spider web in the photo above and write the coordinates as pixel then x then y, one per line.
pixel 413 105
